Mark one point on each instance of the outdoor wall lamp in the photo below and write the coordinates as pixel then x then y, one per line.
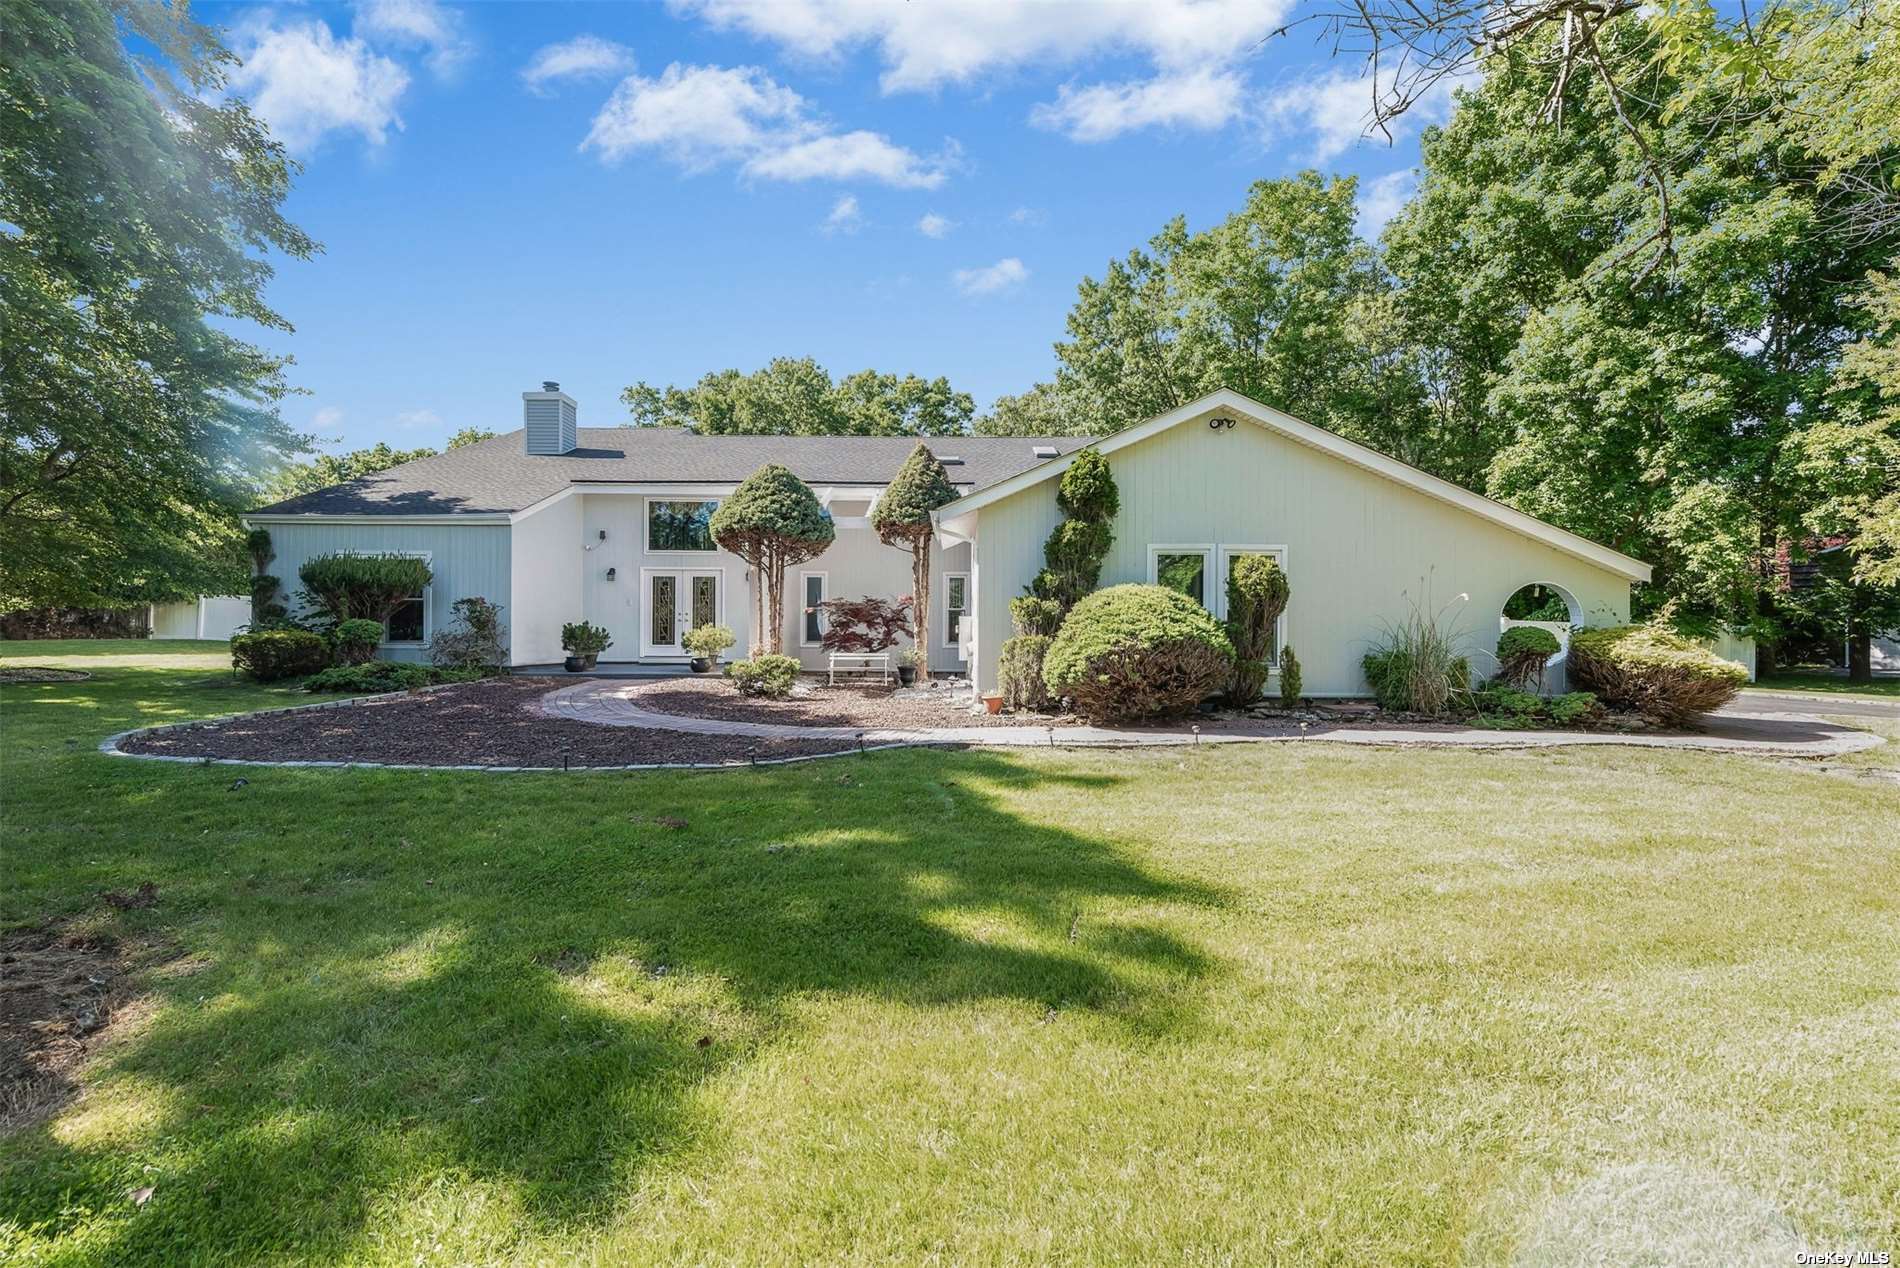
pixel 610 574
pixel 1217 424
pixel 603 534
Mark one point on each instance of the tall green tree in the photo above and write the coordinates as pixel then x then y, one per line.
pixel 1044 410
pixel 137 205
pixel 795 396
pixel 772 521
pixel 1259 303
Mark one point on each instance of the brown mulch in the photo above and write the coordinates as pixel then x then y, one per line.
pixel 914 708
pixel 37 673
pixel 60 990
pixel 490 723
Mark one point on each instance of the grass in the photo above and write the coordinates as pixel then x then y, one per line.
pixel 1879 688
pixel 1249 1004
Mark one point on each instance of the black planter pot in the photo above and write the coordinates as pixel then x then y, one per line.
pixel 906 675
pixel 574 664
pixel 702 664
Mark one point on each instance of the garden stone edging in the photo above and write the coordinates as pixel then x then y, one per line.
pixel 603 703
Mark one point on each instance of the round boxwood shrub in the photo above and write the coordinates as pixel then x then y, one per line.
pixel 268 655
pixel 768 675
pixel 1652 671
pixel 355 640
pixel 1134 651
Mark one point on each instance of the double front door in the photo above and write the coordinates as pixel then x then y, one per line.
pixel 676 601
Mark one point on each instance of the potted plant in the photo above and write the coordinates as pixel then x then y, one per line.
pixel 583 642
pixel 909 661
pixel 706 642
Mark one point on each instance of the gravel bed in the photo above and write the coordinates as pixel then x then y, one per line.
pixel 490 723
pixel 915 708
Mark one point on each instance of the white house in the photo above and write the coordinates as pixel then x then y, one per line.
pixel 558 523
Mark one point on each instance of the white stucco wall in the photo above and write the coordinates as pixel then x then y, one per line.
pixel 1361 549
pixel 544 581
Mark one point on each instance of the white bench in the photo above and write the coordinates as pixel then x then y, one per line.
pixel 860 662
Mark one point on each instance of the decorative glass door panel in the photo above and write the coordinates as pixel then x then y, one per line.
pixel 676 602
pixel 663 611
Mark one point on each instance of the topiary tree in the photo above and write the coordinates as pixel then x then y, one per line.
pixel 1523 651
pixel 1135 651
pixel 1073 555
pixel 370 587
pixel 772 521
pixel 1257 594
pixel 265 609
pixel 901 517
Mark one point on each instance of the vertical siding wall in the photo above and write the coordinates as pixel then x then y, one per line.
pixel 545 572
pixel 1360 548
pixel 859 564
pixel 468 560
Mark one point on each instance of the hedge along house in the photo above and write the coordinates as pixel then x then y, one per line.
pixel 1362 538
pixel 559 523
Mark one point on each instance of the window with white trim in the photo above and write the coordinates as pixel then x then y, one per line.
pixel 956 605
pixel 1187 569
pixel 680 525
pixel 812 590
pixel 408 623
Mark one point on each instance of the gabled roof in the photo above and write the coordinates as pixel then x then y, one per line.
pixel 1227 401
pixel 497 477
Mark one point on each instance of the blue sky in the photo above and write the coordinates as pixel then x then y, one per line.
pixel 599 193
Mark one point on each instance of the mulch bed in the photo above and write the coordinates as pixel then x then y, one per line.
pixel 818 705
pixel 490 723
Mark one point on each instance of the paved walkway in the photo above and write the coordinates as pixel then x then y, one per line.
pixel 1777 734
pixel 1768 700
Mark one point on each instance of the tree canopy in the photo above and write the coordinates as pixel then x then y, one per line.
pixel 139 203
pixel 327 469
pixel 902 518
pixel 795 396
pixel 772 521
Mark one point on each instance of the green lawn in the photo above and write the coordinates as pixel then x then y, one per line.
pixel 1879 688
pixel 1249 1004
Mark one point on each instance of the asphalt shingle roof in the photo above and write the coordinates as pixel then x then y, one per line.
pixel 497 476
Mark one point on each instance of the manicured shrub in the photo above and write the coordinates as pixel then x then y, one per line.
pixel 1031 615
pixel 1653 671
pixel 766 675
pixel 903 518
pixel 1134 651
pixel 772 521
pixel 387 675
pixel 473 639
pixel 584 638
pixel 367 586
pixel 1019 672
pixel 355 640
pixel 267 608
pixel 865 625
pixel 1523 651
pixel 708 641
pixel 271 655
pixel 1573 707
pixel 1289 677
pixel 1073 555
pixel 1508 702
pixel 1257 593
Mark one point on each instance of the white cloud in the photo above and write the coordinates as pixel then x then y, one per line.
pixel 328 416
pixel 999 276
pixel 925 45
pixel 1033 217
pixel 934 226
pixel 1381 197
pixel 1203 99
pixel 853 156
pixel 583 57
pixel 306 83
pixel 701 116
pixel 411 419
pixel 1335 111
pixel 844 217
pixel 421 24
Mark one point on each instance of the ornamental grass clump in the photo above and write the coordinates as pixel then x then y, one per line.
pixel 1653 671
pixel 1132 651
pixel 1417 668
pixel 1523 651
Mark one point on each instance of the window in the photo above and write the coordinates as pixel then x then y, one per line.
pixel 409 623
pixel 956 602
pixel 812 585
pixel 1183 568
pixel 680 525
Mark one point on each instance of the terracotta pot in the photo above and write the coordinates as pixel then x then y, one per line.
pixel 993 703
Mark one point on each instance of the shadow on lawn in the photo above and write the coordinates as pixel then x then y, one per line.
pixel 545 1029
